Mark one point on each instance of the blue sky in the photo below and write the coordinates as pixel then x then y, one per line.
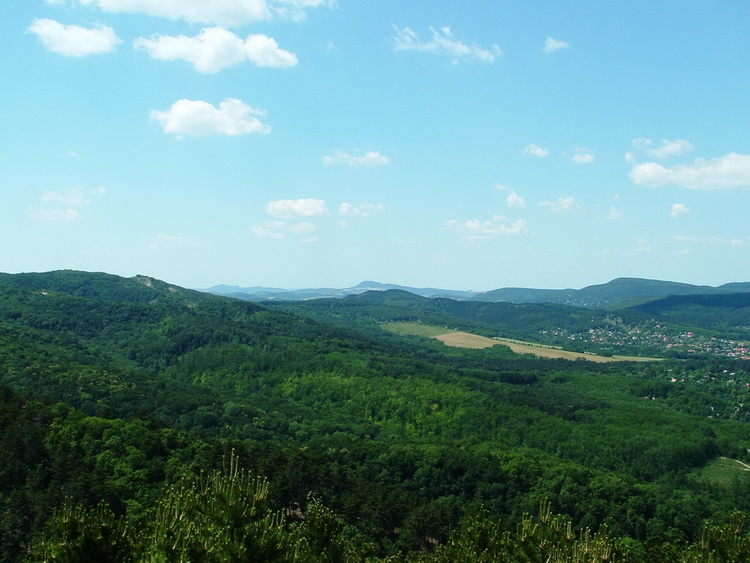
pixel 310 143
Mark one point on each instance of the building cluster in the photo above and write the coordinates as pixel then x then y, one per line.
pixel 650 337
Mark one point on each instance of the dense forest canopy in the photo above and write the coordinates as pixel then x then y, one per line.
pixel 123 397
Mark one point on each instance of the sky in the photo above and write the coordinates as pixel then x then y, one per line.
pixel 319 143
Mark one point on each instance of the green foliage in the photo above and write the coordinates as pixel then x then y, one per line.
pixel 399 438
pixel 535 540
pixel 223 516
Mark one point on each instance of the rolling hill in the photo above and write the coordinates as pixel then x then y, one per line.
pixel 116 389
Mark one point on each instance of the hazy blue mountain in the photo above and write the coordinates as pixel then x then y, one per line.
pixel 618 293
pixel 276 294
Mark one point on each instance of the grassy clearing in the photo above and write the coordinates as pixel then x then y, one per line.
pixel 725 472
pixel 414 329
pixel 467 340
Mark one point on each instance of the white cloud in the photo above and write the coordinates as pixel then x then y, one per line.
pixel 563 205
pixel 642 247
pixel 365 209
pixel 74 40
pixel 666 149
pixel 515 200
pixel 216 48
pixel 296 9
pixel 268 229
pixel 198 118
pixel 730 171
pixel 710 240
pixel 475 230
pixel 679 210
pixel 170 242
pixel 219 12
pixel 370 158
pixel 614 213
pixel 443 43
pixel 583 158
pixel 73 197
pixel 535 150
pixel 551 45
pixel 302 228
pixel 54 215
pixel 285 208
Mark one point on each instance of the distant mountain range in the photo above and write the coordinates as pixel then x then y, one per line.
pixel 618 293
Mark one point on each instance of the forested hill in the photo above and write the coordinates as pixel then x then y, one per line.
pixel 673 326
pixel 498 319
pixel 117 391
pixel 722 312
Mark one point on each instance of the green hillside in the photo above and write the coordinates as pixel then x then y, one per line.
pixel 117 389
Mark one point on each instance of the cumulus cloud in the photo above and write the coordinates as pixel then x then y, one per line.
pixel 583 157
pixel 475 230
pixel 563 205
pixel 364 209
pixel 369 158
pixel 216 48
pixel 217 12
pixel 667 148
pixel 535 150
pixel 285 208
pixel 443 42
pixel 197 118
pixel 730 171
pixel 679 210
pixel 269 229
pixel 74 197
pixel 551 45
pixel 74 40
pixel 302 228
pixel 515 200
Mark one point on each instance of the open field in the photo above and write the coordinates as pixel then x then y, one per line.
pixel 467 340
pixel 725 472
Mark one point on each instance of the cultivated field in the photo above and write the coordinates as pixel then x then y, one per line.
pixel 467 340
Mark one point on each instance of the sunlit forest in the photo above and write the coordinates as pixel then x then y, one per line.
pixel 141 421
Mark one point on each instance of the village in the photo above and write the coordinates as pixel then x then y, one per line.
pixel 649 338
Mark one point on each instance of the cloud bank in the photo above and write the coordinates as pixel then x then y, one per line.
pixel 729 171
